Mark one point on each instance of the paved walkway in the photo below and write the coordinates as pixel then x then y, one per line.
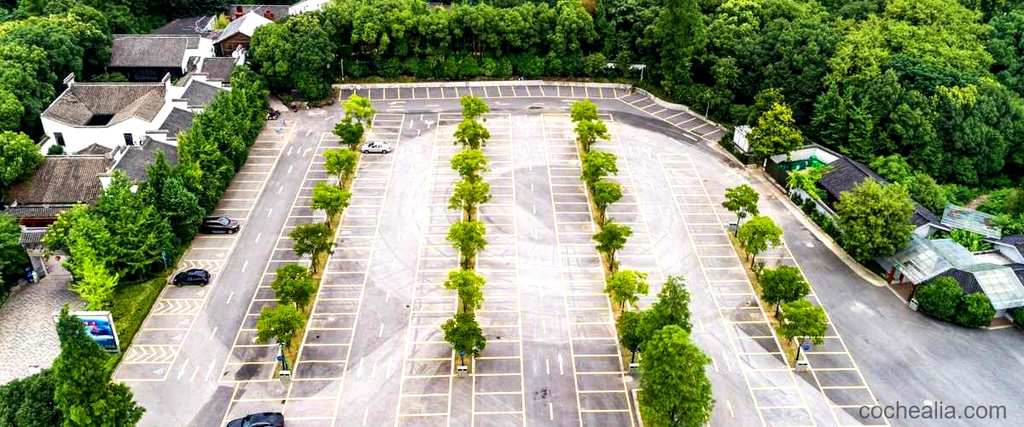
pixel 29 337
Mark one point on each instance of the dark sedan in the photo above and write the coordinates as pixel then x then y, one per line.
pixel 263 419
pixel 219 224
pixel 192 277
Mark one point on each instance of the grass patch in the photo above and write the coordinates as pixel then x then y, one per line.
pixel 132 303
pixel 788 346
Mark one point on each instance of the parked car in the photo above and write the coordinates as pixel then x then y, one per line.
pixel 376 147
pixel 262 419
pixel 219 224
pixel 192 277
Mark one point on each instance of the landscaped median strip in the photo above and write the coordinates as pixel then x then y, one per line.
pixel 293 285
pixel 467 236
pixel 663 330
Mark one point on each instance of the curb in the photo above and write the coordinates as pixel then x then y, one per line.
pixel 487 83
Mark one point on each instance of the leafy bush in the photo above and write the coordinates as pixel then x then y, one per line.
pixel 1018 316
pixel 28 402
pixel 975 311
pixel 55 150
pixel 939 298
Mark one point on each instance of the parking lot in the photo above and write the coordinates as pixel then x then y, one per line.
pixel 159 340
pixel 374 353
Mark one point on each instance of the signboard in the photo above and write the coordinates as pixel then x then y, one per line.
pixel 99 325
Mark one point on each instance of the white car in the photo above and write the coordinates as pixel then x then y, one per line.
pixel 378 147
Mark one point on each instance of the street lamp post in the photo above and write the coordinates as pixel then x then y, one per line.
pixel 285 372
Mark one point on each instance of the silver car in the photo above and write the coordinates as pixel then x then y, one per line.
pixel 377 147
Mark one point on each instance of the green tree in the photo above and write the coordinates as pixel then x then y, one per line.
pixel 13 258
pixel 471 134
pixel 350 132
pixel 279 323
pixel 626 286
pixel 83 392
pixel 807 180
pixel 329 198
pixel 313 240
pixel 583 110
pixel 875 220
pixel 782 284
pixel 672 306
pixel 927 192
pixel 742 201
pixel 676 389
pixel 610 239
pixel 468 238
pixel 359 109
pixel 468 195
pixel 939 297
pixel 473 107
pixel 11 111
pixel 140 237
pixel 605 193
pixel 464 335
pixel 296 53
pixel 677 34
pixel 470 164
pixel 775 133
pixel 19 157
pixel 165 190
pixel 589 131
pixel 96 285
pixel 293 284
pixel 801 319
pixel 470 287
pixel 597 165
pixel 632 332
pixel 757 235
pixel 975 311
pixel 28 402
pixel 893 168
pixel 340 163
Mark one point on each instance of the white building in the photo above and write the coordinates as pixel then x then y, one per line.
pixel 113 115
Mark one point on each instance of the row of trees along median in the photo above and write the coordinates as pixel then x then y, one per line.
pixel 674 388
pixel 467 236
pixel 295 285
pixel 783 287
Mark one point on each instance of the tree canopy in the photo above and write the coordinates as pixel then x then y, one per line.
pixel 874 219
pixel 676 389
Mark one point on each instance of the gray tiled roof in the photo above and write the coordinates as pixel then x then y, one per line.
pixel 191 25
pixel 94 149
pixel 147 50
pixel 82 101
pixel 61 180
pixel 200 94
pixel 177 121
pixel 218 69
pixel 845 173
pixel 137 159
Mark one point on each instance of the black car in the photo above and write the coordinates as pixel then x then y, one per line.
pixel 219 224
pixel 262 419
pixel 192 277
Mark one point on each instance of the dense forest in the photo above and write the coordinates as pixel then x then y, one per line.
pixel 930 89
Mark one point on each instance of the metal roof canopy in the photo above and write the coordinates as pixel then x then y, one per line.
pixel 1000 284
pixel 959 217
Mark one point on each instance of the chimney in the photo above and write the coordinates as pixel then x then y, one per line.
pixel 269 14
pixel 238 12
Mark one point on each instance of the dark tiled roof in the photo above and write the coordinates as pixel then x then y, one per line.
pixel 846 173
pixel 177 121
pixel 200 94
pixel 94 150
pixel 60 180
pixel 1016 241
pixel 192 25
pixel 968 282
pixel 218 69
pixel 137 159
pixel 146 50
pixel 81 101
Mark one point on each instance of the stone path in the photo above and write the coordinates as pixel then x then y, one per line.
pixel 29 337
